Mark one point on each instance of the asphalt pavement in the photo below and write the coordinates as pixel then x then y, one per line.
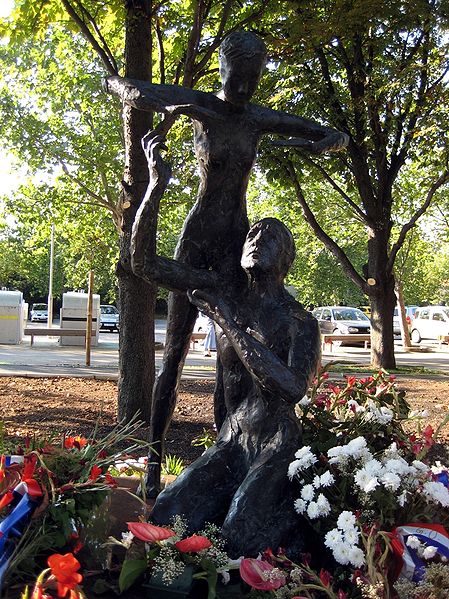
pixel 48 358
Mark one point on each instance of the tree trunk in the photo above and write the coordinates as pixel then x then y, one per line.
pixel 137 298
pixel 403 324
pixel 383 300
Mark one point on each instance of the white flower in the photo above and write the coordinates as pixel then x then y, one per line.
pixel 300 506
pixel 307 492
pixel 419 414
pixel 397 466
pixel 305 401
pixel 293 468
pixel 305 459
pixel 392 451
pixel 429 552
pixel 351 536
pixel 324 505
pixel 420 466
pixel 413 542
pixel 365 480
pixel 316 482
pixel 356 407
pixel 341 553
pixel 313 510
pixel 304 451
pixel 373 467
pixel 391 481
pixel 437 493
pixel 402 498
pixel 127 539
pixel 356 557
pixel 346 521
pixel 356 447
pixel 327 479
pixel 333 538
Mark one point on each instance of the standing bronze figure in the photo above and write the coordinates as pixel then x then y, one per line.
pixel 227 130
pixel 269 348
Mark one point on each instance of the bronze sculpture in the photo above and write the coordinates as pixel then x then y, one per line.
pixel 269 348
pixel 227 130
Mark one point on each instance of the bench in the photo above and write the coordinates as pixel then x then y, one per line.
pixel 366 339
pixel 442 339
pixel 55 332
pixel 194 337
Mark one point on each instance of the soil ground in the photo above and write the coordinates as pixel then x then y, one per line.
pixel 57 406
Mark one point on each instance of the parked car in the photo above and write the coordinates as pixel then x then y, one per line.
pixel 39 313
pixel 342 320
pixel 409 315
pixel 109 318
pixel 430 322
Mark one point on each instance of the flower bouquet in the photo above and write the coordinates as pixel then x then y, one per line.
pixel 49 492
pixel 171 562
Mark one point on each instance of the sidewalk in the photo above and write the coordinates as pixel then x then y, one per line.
pixel 47 358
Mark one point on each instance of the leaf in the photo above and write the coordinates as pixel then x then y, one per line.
pixel 130 572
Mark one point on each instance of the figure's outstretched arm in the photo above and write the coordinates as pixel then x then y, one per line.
pixel 306 134
pixel 145 263
pixel 289 380
pixel 167 99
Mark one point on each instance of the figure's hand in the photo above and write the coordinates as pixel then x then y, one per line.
pixel 152 144
pixel 209 304
pixel 331 143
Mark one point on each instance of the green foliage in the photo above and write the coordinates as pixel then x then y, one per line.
pixel 172 464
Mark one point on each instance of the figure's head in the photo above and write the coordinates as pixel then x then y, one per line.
pixel 269 246
pixel 242 56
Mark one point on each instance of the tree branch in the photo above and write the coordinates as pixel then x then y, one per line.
pixel 331 245
pixel 160 45
pixel 84 29
pixel 442 180
pixel 363 217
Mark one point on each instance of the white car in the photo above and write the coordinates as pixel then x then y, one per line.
pixel 39 313
pixel 109 318
pixel 430 322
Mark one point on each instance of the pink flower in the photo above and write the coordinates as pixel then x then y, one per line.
pixel 259 574
pixel 325 577
pixel 149 532
pixel 193 544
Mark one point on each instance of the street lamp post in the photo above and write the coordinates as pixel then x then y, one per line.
pixel 50 279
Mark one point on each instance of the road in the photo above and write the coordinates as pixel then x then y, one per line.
pixel 46 357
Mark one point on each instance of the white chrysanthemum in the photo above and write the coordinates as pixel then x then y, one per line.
pixel 316 481
pixel 356 557
pixel 413 542
pixel 354 406
pixel 341 552
pixel 391 481
pixel 397 465
pixel 327 479
pixel 323 505
pixel 293 468
pixel 333 538
pixel 304 451
pixel 307 492
pixel 373 467
pixel 365 480
pixel 356 447
pixel 437 493
pixel 300 506
pixel 429 552
pixel 392 451
pixel 351 536
pixel 420 466
pixel 346 520
pixel 313 510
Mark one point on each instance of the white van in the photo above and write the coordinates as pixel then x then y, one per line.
pixel 430 322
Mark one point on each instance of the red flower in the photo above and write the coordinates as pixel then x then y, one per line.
pixel 149 532
pixel 325 577
pixel 342 595
pixel 6 499
pixel 65 569
pixel 78 442
pixel 193 544
pixel 110 480
pixel 94 473
pixel 428 436
pixel 256 573
pixel 351 380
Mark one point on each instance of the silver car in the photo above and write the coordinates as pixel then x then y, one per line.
pixel 39 313
pixel 342 320
pixel 109 318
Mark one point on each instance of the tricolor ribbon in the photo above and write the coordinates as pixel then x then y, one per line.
pixel 410 564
